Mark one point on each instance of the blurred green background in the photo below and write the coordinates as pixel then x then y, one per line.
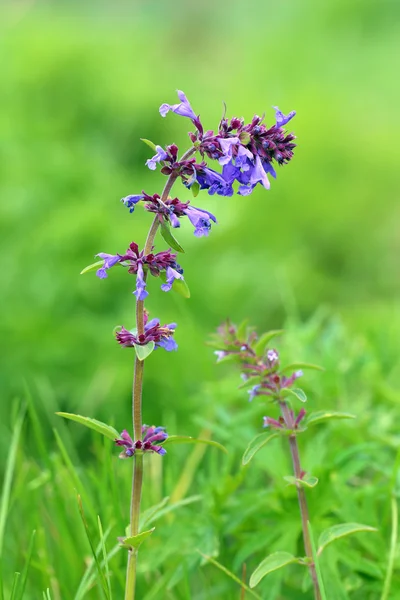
pixel 82 82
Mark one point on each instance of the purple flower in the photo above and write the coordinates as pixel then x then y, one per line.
pixel 153 332
pixel 140 291
pixel 172 274
pixel 220 354
pixel 158 157
pixel 255 174
pixel 254 392
pixel 227 145
pixel 288 381
pixel 150 435
pixel 268 422
pixel 131 201
pixel 109 261
pixel 200 219
pixel 183 108
pixel 282 119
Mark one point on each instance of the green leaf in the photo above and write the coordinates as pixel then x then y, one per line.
pixel 323 415
pixel 296 392
pixel 241 330
pixel 186 439
pixel 134 541
pixel 261 344
pixel 229 573
pixel 307 481
pixel 256 444
pixel 169 238
pixel 143 351
pixel 181 287
pixel 149 144
pixel 338 531
pixel 301 365
pixel 273 562
pixel 195 188
pixel 98 426
pixel 93 266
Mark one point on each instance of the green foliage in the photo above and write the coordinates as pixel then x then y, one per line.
pixel 256 444
pixel 169 238
pixel 275 561
pixel 144 350
pixel 106 430
pixel 134 541
pixel 338 531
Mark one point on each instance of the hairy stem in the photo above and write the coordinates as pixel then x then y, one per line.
pixel 294 450
pixel 137 478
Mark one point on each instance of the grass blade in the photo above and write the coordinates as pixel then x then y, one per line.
pixel 102 578
pixel 15 586
pixel 105 561
pixel 9 471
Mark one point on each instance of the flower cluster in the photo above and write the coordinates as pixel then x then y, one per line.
pixel 245 151
pixel 172 210
pixel 153 332
pixel 259 364
pixel 137 263
pixel 151 435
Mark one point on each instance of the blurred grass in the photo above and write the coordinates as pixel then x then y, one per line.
pixel 80 85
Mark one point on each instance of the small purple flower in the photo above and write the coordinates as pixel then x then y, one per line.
pixel 288 381
pixel 220 354
pixel 158 157
pixel 254 392
pixel 200 219
pixel 150 435
pixel 140 291
pixel 109 261
pixel 269 422
pixel 153 332
pixel 131 201
pixel 227 145
pixel 282 119
pixel 172 274
pixel 272 357
pixel 183 108
pixel 256 174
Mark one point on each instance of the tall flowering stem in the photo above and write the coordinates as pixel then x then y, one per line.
pixel 137 419
pixel 301 495
pixel 246 155
pixel 265 378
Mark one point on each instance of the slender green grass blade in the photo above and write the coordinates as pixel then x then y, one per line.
pixel 14 588
pixel 72 471
pixel 105 560
pixel 102 579
pixel 24 575
pixel 9 471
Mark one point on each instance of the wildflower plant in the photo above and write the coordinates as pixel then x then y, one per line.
pixel 266 379
pixel 245 154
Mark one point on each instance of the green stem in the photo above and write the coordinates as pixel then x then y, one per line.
pixel 294 450
pixel 137 478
